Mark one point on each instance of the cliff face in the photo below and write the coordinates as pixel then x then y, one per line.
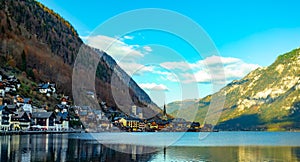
pixel 267 98
pixel 43 46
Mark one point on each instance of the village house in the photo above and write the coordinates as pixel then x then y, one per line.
pixel 12 107
pixel 136 112
pixel 131 123
pixel 27 108
pixel 65 100
pixel 62 121
pixel 153 125
pixel 11 84
pixel 44 120
pixel 162 124
pixel 60 108
pixel 194 127
pixel 20 121
pixel 5 118
pixel 10 88
pixel 47 88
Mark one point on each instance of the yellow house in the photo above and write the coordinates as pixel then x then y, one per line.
pixel 132 123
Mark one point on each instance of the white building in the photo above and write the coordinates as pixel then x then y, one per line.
pixel 133 110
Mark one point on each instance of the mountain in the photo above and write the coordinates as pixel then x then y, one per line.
pixel 174 106
pixel 266 99
pixel 38 45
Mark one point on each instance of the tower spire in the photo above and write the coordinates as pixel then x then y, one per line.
pixel 165 111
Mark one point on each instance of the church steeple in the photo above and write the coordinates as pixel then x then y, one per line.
pixel 165 111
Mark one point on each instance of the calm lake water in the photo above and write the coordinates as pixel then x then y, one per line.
pixel 217 146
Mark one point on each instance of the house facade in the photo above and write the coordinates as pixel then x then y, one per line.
pixel 20 121
pixel 44 120
pixel 5 118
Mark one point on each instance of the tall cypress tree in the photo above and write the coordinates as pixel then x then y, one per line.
pixel 24 62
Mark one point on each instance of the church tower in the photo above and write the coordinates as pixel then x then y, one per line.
pixel 165 113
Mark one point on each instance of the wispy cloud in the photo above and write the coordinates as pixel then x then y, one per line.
pixel 128 37
pixel 147 48
pixel 115 47
pixel 214 68
pixel 153 86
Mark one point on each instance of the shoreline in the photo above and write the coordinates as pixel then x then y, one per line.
pixel 3 133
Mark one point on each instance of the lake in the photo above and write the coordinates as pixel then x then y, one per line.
pixel 191 146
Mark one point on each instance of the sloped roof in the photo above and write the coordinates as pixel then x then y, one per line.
pixel 41 114
pixel 45 86
pixel 2 107
pixel 26 100
pixel 63 115
pixel 18 115
pixel 60 106
pixel 11 106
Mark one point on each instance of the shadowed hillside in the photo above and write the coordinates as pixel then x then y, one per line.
pixel 39 45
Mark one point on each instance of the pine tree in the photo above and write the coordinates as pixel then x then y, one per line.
pixel 24 62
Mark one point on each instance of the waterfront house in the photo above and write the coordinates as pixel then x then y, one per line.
pixel 142 126
pixel 153 125
pixel 195 125
pixel 62 121
pixel 5 118
pixel 44 119
pixel 130 123
pixel 60 108
pixel 162 124
pixel 12 107
pixel 20 120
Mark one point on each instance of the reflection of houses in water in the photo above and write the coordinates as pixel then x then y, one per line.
pixel 33 148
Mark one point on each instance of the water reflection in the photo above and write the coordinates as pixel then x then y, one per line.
pixel 62 148
pixel 228 154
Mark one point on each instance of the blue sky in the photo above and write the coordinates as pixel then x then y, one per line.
pixel 247 35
